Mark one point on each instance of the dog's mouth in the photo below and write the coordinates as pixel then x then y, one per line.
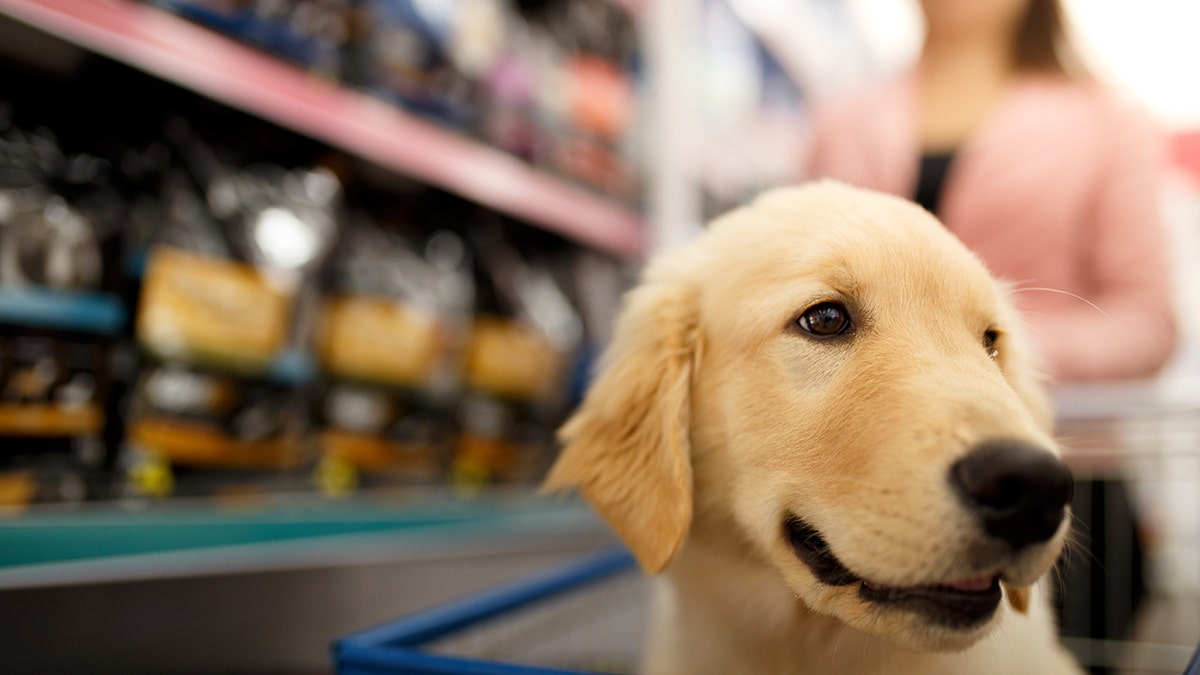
pixel 961 604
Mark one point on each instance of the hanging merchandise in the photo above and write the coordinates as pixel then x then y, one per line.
pixel 403 54
pixel 312 33
pixel 53 384
pixel 226 299
pixel 389 344
pixel 257 359
pixel 551 83
pixel 516 376
pixel 57 319
pixel 511 83
pixel 585 61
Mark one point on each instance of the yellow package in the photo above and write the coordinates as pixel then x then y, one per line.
pixel 510 359
pixel 206 309
pixel 379 339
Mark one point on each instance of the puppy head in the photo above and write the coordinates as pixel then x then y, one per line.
pixel 830 373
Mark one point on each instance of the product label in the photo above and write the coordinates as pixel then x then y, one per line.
pixel 197 418
pixel 510 359
pixel 382 430
pixel 499 441
pixel 17 488
pixel 50 386
pixel 204 308
pixel 601 96
pixel 196 443
pixel 381 340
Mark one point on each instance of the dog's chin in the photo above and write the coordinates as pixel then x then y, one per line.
pixel 944 616
pixel 911 624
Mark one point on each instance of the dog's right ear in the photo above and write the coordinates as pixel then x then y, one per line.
pixel 626 448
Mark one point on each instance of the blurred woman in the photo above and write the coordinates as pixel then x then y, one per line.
pixel 1051 177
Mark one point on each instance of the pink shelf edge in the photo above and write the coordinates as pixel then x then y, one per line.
pixel 191 56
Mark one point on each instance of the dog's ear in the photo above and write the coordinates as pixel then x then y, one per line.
pixel 626 448
pixel 1018 597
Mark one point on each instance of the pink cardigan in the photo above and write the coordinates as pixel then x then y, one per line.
pixel 1059 189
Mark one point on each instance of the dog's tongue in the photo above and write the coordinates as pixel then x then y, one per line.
pixel 972 584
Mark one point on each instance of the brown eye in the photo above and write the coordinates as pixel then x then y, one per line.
pixel 990 337
pixel 827 319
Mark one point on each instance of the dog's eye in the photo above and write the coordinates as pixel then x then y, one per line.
pixel 990 336
pixel 824 320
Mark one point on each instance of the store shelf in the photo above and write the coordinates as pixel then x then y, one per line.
pixel 171 48
pixel 108 543
pixel 95 313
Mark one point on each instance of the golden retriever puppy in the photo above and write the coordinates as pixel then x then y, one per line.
pixel 818 421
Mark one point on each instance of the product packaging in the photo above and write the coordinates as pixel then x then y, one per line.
pixel 58 320
pixel 311 33
pixel 586 59
pixel 226 303
pixel 516 372
pixel 389 342
pixel 402 53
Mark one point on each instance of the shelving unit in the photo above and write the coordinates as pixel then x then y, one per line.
pixel 96 313
pixel 171 48
pixel 174 543
pixel 101 543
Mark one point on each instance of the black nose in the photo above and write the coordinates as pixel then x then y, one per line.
pixel 1020 490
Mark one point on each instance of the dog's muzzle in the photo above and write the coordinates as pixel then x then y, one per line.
pixel 1019 494
pixel 961 604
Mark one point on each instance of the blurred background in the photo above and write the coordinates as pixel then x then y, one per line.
pixel 293 294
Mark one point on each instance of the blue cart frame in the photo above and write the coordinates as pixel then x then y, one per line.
pixel 397 648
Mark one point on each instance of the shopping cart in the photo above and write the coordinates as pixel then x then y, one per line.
pixel 1130 587
pixel 587 616
pixel 1127 608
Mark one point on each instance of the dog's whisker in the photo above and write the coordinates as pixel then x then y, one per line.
pixel 837 641
pixel 1060 576
pixel 1075 543
pixel 1044 289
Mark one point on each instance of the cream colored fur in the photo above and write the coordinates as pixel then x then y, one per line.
pixel 713 418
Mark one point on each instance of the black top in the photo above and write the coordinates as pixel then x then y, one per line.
pixel 932 178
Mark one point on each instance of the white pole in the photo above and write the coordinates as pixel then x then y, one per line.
pixel 670 30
